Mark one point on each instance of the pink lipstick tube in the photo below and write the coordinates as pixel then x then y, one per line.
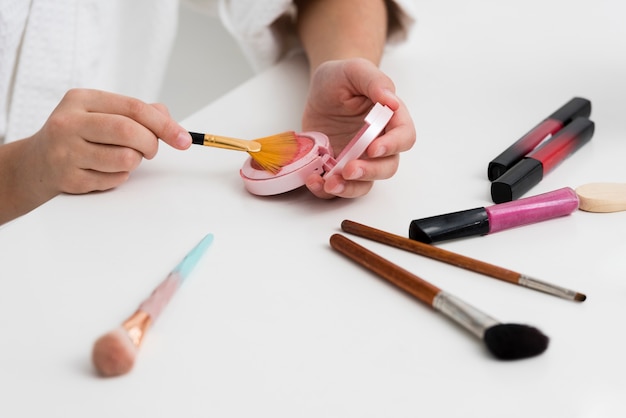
pixel 487 220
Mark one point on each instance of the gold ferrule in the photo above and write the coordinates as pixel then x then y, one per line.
pixel 136 326
pixel 231 143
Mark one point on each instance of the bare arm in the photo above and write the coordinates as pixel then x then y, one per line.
pixel 19 191
pixel 342 29
pixel 91 141
pixel 344 42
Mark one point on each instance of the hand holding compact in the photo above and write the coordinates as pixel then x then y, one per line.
pixel 340 96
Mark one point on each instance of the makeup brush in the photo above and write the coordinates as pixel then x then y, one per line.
pixel 602 197
pixel 458 260
pixel 504 341
pixel 271 153
pixel 114 353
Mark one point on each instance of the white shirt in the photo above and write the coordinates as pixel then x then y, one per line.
pixel 123 46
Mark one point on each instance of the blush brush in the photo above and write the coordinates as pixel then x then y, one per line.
pixel 271 153
pixel 114 353
pixel 504 341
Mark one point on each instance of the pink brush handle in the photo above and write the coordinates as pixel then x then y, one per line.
pixel 160 297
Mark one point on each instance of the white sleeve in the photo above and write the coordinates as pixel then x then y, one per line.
pixel 261 28
pixel 265 30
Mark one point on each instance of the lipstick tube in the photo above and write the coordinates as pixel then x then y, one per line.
pixel 495 218
pixel 531 170
pixel 576 107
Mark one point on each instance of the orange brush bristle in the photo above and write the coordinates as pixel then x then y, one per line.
pixel 276 151
pixel 271 153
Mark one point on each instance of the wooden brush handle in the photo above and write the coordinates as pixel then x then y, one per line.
pixel 430 251
pixel 393 273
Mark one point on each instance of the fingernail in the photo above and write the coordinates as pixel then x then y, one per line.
pixel 184 139
pixel 315 186
pixel 380 151
pixel 357 174
pixel 391 95
pixel 339 188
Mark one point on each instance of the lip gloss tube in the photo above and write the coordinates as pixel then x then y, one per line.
pixel 495 218
pixel 576 107
pixel 531 169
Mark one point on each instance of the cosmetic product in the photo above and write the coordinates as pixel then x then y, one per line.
pixel 602 197
pixel 504 341
pixel 531 169
pixel 114 353
pixel 314 155
pixel 495 218
pixel 576 107
pixel 270 153
pixel 458 260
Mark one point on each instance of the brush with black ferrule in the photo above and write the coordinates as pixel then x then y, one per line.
pixel 271 153
pixel 504 341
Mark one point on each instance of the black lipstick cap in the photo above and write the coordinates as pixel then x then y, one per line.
pixel 453 225
pixel 576 107
pixel 529 171
pixel 517 181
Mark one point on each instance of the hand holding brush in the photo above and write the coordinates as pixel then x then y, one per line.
pixel 504 341
pixel 114 353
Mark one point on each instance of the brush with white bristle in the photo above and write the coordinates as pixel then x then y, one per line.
pixel 271 153
pixel 504 341
pixel 114 353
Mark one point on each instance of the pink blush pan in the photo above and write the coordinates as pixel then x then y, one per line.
pixel 314 149
pixel 314 156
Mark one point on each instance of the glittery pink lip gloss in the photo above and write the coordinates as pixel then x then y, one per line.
pixel 495 218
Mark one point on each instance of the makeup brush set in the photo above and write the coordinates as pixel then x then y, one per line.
pixel 281 163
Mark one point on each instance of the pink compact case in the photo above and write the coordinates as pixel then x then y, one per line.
pixel 314 156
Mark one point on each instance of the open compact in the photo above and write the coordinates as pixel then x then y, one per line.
pixel 314 156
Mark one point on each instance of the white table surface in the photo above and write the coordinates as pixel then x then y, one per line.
pixel 274 323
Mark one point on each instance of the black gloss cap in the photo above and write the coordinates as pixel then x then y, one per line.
pixel 575 108
pixel 453 225
pixel 517 181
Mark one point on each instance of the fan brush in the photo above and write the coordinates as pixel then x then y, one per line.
pixel 271 153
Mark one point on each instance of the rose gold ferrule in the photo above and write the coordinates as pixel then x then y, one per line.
pixel 136 326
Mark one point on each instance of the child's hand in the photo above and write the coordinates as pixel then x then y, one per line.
pixel 340 96
pixel 94 139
